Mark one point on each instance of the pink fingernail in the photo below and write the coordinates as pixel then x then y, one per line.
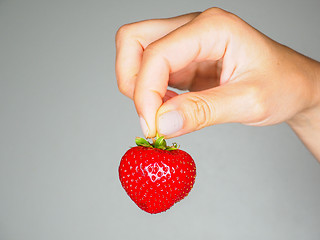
pixel 170 123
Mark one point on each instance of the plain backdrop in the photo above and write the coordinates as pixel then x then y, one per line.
pixel 64 128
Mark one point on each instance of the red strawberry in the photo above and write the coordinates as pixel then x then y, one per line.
pixel 156 176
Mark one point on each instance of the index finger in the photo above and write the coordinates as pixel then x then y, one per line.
pixel 132 39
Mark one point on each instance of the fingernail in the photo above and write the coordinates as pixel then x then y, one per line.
pixel 169 123
pixel 144 127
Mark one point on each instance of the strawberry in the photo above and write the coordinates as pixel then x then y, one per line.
pixel 156 176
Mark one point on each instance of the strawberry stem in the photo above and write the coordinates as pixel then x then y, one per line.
pixel 159 143
pixel 142 142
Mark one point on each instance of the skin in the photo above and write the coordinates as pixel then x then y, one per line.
pixel 233 72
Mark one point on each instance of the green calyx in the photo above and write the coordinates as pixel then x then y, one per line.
pixel 159 143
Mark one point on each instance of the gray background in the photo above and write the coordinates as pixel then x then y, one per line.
pixel 64 127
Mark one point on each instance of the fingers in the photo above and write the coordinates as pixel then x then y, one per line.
pixel 234 102
pixel 198 40
pixel 131 41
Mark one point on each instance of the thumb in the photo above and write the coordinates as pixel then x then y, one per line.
pixel 233 102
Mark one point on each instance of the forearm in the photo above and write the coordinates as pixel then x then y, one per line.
pixel 306 124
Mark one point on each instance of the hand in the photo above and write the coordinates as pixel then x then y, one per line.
pixel 234 74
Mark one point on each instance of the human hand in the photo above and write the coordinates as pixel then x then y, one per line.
pixel 234 73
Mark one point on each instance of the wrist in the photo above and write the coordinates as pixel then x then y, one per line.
pixel 306 123
pixel 310 113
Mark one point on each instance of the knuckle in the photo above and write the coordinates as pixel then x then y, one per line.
pixel 217 12
pixel 123 32
pixel 121 87
pixel 201 111
pixel 224 18
pixel 124 89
